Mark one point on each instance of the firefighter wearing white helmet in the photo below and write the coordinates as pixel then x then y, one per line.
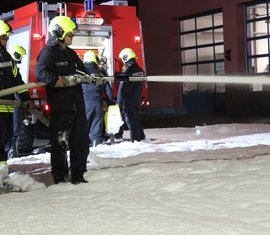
pixel 129 94
pixel 7 80
pixel 68 125
pixel 95 96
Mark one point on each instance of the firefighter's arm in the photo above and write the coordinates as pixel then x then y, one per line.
pixel 44 70
pixel 120 94
pixel 108 93
pixel 24 95
pixel 60 82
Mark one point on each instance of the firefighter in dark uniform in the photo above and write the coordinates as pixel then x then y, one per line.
pixel 17 52
pixel 7 80
pixel 129 95
pixel 94 97
pixel 68 124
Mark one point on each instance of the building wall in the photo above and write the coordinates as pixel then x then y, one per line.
pixel 160 30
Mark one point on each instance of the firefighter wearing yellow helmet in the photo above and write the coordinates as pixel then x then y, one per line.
pixel 5 28
pixel 7 80
pixel 129 94
pixel 60 26
pixel 56 65
pixel 95 97
pixel 17 52
pixel 90 57
pixel 126 54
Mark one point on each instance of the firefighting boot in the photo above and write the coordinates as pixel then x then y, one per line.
pixel 77 178
pixel 13 153
pixel 58 179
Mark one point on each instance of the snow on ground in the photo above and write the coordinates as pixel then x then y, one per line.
pixel 205 180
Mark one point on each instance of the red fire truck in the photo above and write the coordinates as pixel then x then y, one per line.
pixel 104 28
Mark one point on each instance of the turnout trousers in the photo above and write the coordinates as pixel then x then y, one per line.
pixel 95 119
pixel 133 121
pixel 6 126
pixel 68 131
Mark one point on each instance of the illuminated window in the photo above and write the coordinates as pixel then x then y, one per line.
pixel 258 40
pixel 202 49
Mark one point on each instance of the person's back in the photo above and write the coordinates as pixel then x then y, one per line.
pixel 92 91
pixel 131 92
pixel 94 96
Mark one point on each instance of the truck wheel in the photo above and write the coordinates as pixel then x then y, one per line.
pixel 26 138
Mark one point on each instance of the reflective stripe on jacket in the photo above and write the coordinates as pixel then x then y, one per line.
pixel 17 75
pixel 8 79
pixel 6 108
pixel 5 64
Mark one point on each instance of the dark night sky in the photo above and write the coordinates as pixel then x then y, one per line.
pixel 8 5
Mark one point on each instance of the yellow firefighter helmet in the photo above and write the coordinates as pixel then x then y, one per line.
pixel 17 52
pixel 5 28
pixel 126 54
pixel 90 56
pixel 60 26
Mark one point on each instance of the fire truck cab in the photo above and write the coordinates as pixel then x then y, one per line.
pixel 107 29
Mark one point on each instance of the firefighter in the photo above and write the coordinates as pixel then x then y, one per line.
pixel 17 52
pixel 7 80
pixel 68 124
pixel 129 94
pixel 96 97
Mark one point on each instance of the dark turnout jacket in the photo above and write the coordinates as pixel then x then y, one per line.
pixel 9 79
pixel 97 93
pixel 54 61
pixel 130 92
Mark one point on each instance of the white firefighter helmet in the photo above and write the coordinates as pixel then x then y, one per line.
pixel 126 54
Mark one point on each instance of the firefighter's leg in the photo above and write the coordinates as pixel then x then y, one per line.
pixel 79 147
pixel 17 124
pixel 141 131
pixel 5 136
pixel 90 115
pixel 60 127
pixel 131 120
pixel 96 129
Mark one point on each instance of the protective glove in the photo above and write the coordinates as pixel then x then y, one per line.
pixel 97 78
pixel 60 82
pixel 70 80
pixel 25 100
pixel 24 96
pixel 67 81
pixel 25 104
